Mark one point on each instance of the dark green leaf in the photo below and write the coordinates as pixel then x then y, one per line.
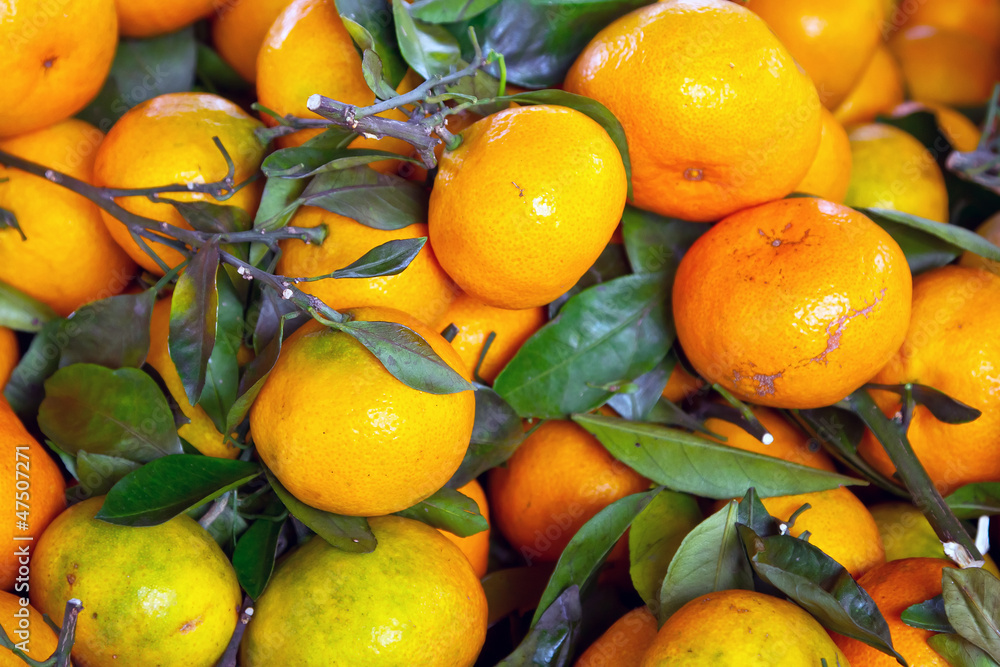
pixel 119 413
pixel 382 201
pixel 376 18
pixel 975 500
pixel 371 67
pixel 612 263
pixel 449 510
pixel 112 332
pixel 752 514
pixel 302 161
pixel 820 585
pixel 25 389
pixel 960 652
pixel 218 76
pixel 253 558
pixel 636 405
pixel 448 11
pixel 685 462
pixel 709 559
pixel 213 218
pixel 551 639
pixel 539 58
pixel 612 332
pixel 21 312
pixel 583 556
pixel 98 473
pixel 278 204
pixel 496 434
pixel 407 356
pixel 429 49
pixel 194 310
pixel 944 408
pixel 254 376
pixel 389 259
pixel 171 485
pixel 515 589
pixel 949 236
pixel 656 244
pixel 972 602
pixel 929 615
pixel 222 374
pixel 143 69
pixel 347 533
pixel 655 537
pixel 9 221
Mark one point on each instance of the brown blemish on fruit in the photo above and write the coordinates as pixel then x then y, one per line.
pixel 763 384
pixel 71 579
pixel 693 174
pixel 835 329
pixel 191 625
pixel 49 62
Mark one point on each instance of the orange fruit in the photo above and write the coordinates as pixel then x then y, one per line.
pixel 830 173
pixel 951 346
pixel 962 133
pixel 990 230
pixel 147 18
pixel 726 118
pixel 9 354
pixel 624 643
pixel 838 524
pixel 307 50
pixel 55 58
pixel 167 140
pixel 23 623
pixel 895 586
pixel 68 258
pixel 879 90
pixel 413 601
pixel 946 67
pixel 27 465
pixel 527 202
pixel 792 304
pixel 558 479
pixel 790 444
pixel 475 322
pixel 742 628
pixel 422 290
pixel 680 385
pixel 346 436
pixel 156 595
pixel 200 430
pixel 833 42
pixel 972 17
pixel 239 30
pixel 891 169
pixel 475 547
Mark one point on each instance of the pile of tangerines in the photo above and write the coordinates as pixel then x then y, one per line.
pixel 418 452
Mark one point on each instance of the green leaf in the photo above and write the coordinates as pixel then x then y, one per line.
pixel 960 652
pixel 212 218
pixel 194 310
pixel 143 69
pixel 371 68
pixel 972 602
pixel 655 537
pixel 515 589
pixel 597 112
pixel 975 500
pixel 21 312
pixel 98 473
pixel 928 615
pixel 388 259
pixel 381 201
pixel 222 374
pixel 407 356
pixel 647 389
pixel 610 333
pixel 253 558
pixel 944 408
pixel 496 434
pixel 347 533
pixel 302 161
pixel 218 76
pixel 820 585
pixel 448 11
pixel 551 639
pixel 685 462
pixel 709 559
pixel 583 556
pixel 655 244
pixel 254 376
pixel 950 236
pixel 25 389
pixel 169 486
pixel 375 18
pixel 278 203
pixel 449 510
pixel 429 49
pixel 112 332
pixel 612 263
pixel 119 413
